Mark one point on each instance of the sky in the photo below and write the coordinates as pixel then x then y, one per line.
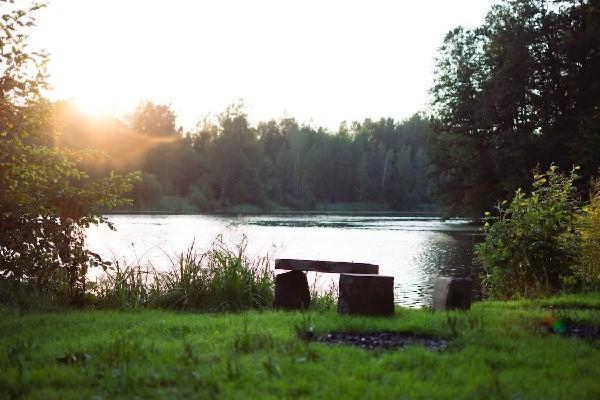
pixel 322 62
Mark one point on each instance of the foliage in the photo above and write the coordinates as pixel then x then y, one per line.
pixel 532 243
pixel 161 354
pixel 122 286
pixel 153 119
pixel 520 90
pixel 589 272
pixel 46 201
pixel 146 193
pixel 228 162
pixel 175 204
pixel 220 279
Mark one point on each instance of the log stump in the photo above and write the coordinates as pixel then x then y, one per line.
pixel 366 294
pixel 452 293
pixel 291 291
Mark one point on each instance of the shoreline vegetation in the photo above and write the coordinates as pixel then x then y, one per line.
pixel 286 212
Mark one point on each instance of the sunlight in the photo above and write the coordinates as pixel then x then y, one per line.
pixel 199 68
pixel 95 106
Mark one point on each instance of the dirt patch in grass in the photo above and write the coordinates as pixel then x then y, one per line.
pixel 382 340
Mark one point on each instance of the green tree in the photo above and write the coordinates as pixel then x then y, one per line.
pixel 46 201
pixel 146 193
pixel 234 159
pixel 153 119
pixel 519 90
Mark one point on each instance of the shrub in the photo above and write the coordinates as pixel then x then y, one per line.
pixel 532 243
pixel 589 271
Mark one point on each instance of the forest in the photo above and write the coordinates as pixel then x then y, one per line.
pixel 518 92
pixel 228 164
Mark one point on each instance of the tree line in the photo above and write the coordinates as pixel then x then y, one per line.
pixel 518 92
pixel 227 164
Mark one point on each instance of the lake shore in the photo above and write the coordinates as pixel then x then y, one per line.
pixel 511 349
pixel 413 249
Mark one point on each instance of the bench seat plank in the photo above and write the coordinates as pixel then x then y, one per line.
pixel 337 267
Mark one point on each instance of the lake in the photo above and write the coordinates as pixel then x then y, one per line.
pixel 413 249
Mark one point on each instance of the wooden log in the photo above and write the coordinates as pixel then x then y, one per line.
pixel 366 294
pixel 336 267
pixel 452 293
pixel 291 291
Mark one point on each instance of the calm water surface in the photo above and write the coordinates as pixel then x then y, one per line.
pixel 415 250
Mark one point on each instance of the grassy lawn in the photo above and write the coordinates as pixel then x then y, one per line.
pixel 496 350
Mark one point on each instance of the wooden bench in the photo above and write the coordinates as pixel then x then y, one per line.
pixel 357 295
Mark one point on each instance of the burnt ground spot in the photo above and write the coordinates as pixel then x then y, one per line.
pixel 382 340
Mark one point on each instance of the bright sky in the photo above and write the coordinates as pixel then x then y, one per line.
pixel 319 61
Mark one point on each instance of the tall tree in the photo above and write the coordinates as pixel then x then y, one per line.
pixel 511 94
pixel 46 201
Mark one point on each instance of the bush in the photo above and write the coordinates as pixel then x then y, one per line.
pixel 589 271
pixel 532 244
pixel 218 280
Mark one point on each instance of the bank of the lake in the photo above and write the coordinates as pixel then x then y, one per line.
pixel 413 248
pixel 495 350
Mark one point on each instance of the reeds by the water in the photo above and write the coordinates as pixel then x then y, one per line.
pixel 221 279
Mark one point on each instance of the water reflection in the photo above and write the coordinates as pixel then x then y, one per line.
pixel 415 250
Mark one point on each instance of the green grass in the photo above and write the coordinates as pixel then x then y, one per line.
pixel 221 279
pixel 497 350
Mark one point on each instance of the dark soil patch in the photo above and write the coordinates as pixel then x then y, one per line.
pixel 382 340
pixel 572 328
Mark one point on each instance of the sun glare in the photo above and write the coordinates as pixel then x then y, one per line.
pixel 199 68
pixel 94 107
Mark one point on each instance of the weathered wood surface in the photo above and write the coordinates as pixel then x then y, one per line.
pixel 337 267
pixel 452 293
pixel 365 294
pixel 291 291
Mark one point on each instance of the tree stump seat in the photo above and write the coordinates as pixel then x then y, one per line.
pixel 362 290
pixel 366 294
pixel 452 293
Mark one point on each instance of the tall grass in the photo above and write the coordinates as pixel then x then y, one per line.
pixel 220 279
pixel 323 299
